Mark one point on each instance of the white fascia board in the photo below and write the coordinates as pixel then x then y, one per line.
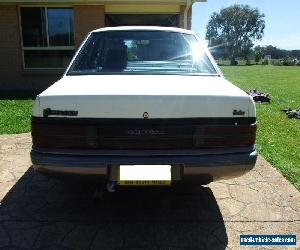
pixel 181 2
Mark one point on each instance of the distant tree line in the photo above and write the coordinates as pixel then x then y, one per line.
pixel 257 53
pixel 260 51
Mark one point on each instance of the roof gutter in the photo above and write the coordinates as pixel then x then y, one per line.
pixel 185 13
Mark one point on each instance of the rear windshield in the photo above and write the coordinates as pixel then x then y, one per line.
pixel 141 52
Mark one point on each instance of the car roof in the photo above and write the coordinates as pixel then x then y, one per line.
pixel 152 28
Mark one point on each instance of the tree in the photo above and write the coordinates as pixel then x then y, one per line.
pixel 236 27
pixel 259 53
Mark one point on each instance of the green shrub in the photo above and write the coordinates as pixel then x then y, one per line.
pixel 248 62
pixel 288 62
pixel 276 62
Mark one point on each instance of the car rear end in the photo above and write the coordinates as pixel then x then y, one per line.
pixel 180 113
pixel 203 148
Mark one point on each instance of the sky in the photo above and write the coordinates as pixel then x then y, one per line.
pixel 282 19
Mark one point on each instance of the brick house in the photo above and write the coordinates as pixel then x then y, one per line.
pixel 38 38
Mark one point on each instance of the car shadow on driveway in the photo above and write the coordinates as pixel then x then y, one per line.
pixel 39 212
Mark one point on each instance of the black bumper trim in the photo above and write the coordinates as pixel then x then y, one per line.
pixel 94 161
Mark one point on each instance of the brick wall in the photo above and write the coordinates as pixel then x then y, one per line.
pixel 10 50
pixel 12 76
pixel 87 18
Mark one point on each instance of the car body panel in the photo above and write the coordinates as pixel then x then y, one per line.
pixel 127 96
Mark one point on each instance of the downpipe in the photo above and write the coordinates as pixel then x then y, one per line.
pixel 185 13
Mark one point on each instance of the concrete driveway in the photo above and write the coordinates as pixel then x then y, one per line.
pixel 39 213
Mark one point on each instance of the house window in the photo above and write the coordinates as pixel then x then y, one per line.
pixel 48 36
pixel 167 20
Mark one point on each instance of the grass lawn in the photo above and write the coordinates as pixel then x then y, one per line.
pixel 278 137
pixel 15 113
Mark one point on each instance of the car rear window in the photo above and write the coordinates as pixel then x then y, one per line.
pixel 142 52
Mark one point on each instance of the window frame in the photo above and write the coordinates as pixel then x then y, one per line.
pixel 24 48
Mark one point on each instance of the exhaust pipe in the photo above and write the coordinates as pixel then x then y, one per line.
pixel 111 186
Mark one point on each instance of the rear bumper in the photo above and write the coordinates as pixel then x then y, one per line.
pixel 184 166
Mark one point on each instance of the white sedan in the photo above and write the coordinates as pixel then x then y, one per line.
pixel 144 106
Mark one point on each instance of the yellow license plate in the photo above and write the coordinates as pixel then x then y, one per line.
pixel 145 175
pixel 144 183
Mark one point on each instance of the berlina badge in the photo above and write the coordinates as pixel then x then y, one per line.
pixel 146 115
